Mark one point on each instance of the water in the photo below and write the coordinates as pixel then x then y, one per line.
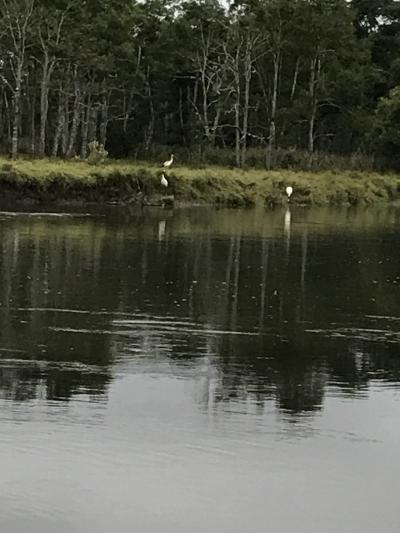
pixel 217 371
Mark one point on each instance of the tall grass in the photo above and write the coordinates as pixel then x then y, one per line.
pixel 256 157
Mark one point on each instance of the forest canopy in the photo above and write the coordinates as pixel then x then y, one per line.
pixel 257 80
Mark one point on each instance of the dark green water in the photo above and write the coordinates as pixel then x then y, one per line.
pixel 206 371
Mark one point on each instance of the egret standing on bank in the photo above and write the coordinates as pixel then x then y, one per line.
pixel 168 163
pixel 164 181
pixel 289 192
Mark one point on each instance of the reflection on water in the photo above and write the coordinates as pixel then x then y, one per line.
pixel 261 323
pixel 274 322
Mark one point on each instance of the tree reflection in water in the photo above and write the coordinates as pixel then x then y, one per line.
pixel 256 307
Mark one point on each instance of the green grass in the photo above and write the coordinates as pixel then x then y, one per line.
pixel 124 180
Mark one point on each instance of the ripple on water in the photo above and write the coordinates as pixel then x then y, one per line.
pixel 356 333
pixel 158 325
pixel 39 214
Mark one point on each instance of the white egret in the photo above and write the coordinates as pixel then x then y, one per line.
pixel 164 180
pixel 168 163
pixel 289 192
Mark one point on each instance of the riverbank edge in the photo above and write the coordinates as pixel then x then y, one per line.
pixel 122 182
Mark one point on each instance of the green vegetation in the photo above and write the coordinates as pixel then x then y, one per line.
pixel 132 182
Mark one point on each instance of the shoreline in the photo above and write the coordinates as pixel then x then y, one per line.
pixel 132 183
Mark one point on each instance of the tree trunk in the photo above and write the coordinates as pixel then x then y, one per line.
pixel 205 101
pixel 9 116
pixel 127 111
pixel 33 123
pixel 215 125
pixel 274 99
pixel 181 121
pixel 17 22
pixel 65 123
pixel 48 65
pixel 17 111
pixel 59 128
pixel 311 122
pixel 150 127
pixel 84 132
pixel 44 103
pixel 247 78
pixel 92 127
pixel 104 120
pixel 237 106
pixel 86 117
pixel 65 132
pixel 295 76
pixel 237 133
pixel 75 121
pixel 236 80
pixel 315 70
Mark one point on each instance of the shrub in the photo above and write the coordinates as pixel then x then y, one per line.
pixel 97 153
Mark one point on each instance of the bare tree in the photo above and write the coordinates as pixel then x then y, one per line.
pixel 50 34
pixel 210 67
pixel 245 49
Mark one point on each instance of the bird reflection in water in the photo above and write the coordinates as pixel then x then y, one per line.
pixel 287 227
pixel 161 229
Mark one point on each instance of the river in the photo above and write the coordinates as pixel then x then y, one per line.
pixel 200 371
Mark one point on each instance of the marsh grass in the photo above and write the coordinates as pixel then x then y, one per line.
pixel 122 180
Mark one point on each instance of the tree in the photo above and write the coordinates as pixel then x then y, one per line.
pixel 16 17
pixel 201 77
pixel 203 25
pixel 385 131
pixel 51 19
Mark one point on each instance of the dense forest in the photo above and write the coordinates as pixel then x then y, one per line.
pixel 252 82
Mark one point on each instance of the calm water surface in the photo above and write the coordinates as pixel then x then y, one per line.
pixel 206 371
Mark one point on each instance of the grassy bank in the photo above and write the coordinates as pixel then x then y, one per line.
pixel 126 182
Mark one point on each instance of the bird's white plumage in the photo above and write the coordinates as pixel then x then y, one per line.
pixel 168 163
pixel 289 191
pixel 164 181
